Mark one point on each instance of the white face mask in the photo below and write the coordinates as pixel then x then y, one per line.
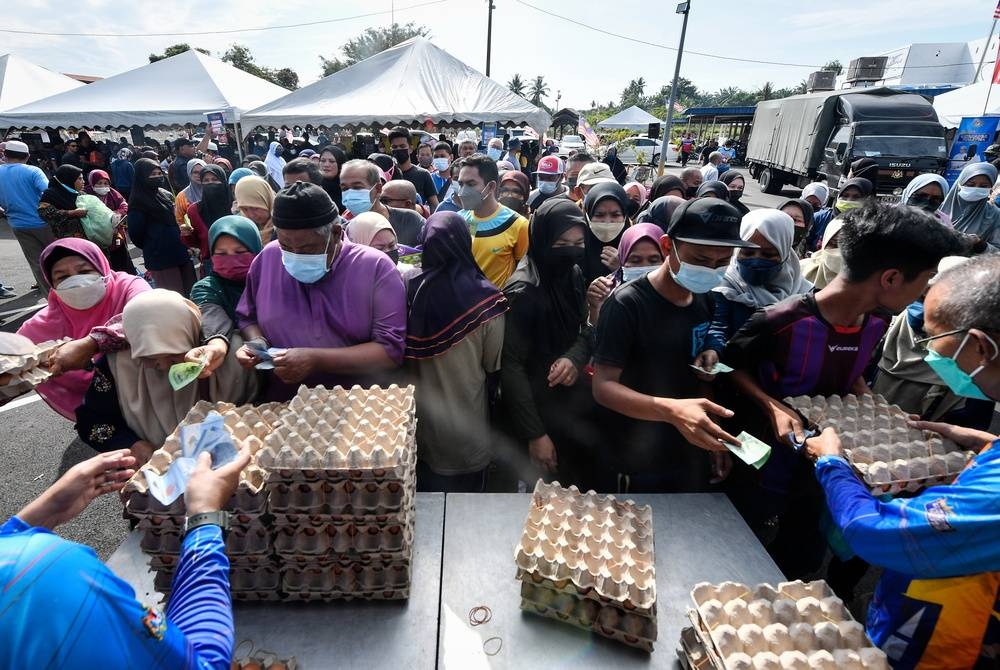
pixel 82 291
pixel 102 190
pixel 606 231
pixel 973 193
pixel 832 260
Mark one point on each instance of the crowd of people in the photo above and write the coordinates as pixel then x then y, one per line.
pixel 556 323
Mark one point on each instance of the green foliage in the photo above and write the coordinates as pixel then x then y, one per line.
pixel 516 85
pixel 176 49
pixel 539 90
pixel 835 66
pixel 371 42
pixel 240 57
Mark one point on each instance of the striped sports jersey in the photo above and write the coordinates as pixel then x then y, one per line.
pixel 499 241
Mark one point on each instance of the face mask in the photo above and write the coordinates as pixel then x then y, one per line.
pixel 547 187
pixel 306 268
pixel 82 291
pixel 633 209
pixel 358 200
pixel 440 164
pixel 690 192
pixel 799 235
pixel 844 205
pixel 832 260
pixel 232 266
pixel 973 193
pixel 154 182
pixel 453 188
pixel 922 202
pixel 493 153
pixel 71 190
pixel 393 255
pixel 471 197
pixel 425 162
pixel 606 231
pixel 402 156
pixel 628 274
pixel 102 190
pixel 571 182
pixel 512 202
pixel 698 278
pixel 734 196
pixel 758 271
pixel 958 380
pixel 564 257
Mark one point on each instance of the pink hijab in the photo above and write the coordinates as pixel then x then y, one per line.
pixel 632 234
pixel 57 320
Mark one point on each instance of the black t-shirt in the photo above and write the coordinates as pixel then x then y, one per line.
pixel 421 180
pixel 654 342
pixel 536 198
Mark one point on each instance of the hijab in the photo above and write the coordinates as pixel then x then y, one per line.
pixel 593 267
pixel 274 164
pixel 332 186
pixel 716 187
pixel 214 288
pixel 817 268
pixel 60 192
pixel 975 218
pixel 216 202
pixel 363 228
pixel 226 166
pixel 778 229
pixel 57 319
pixel 519 179
pixel 727 178
pixel 163 322
pixel 258 168
pixel 253 191
pixel 452 297
pixel 238 174
pixel 662 209
pixel 193 190
pixel 152 200
pixel 637 188
pixel 640 231
pixel 866 168
pixel 860 183
pixel 818 189
pixel 922 180
pixel 807 216
pixel 664 184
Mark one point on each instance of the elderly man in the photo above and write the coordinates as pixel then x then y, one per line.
pixel 337 310
pixel 710 170
pixel 363 192
pixel 494 148
pixel 466 148
pixel 935 606
pixel 691 178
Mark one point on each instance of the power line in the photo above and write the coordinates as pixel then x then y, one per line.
pixel 226 32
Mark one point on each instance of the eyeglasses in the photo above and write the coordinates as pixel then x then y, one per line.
pixel 390 201
pixel 923 340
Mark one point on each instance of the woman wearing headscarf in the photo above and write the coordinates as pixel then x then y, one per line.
pixel 825 264
pixel 86 295
pixel 123 172
pixel 639 251
pixel 254 200
pixel 454 340
pixel 546 345
pixel 736 183
pixel 926 191
pixel 130 403
pixel 606 205
pixel 802 216
pixel 865 168
pixel 660 211
pixel 970 210
pixel 154 230
pixel 617 167
pixel 636 193
pixel 713 189
pixel 275 164
pixel 757 277
pixel 371 229
pixel 215 203
pixel 99 186
pixel 226 166
pixel 331 159
pixel 191 193
pixel 667 184
pixel 258 168
pixel 854 193
pixel 514 190
pixel 57 206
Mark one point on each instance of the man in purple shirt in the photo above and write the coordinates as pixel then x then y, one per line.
pixel 337 309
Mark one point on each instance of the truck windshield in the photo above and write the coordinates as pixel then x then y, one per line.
pixel 910 146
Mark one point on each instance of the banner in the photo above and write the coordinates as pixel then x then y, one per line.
pixel 587 132
pixel 974 135
pixel 217 122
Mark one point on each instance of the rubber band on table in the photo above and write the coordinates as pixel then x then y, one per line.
pixel 499 641
pixel 479 615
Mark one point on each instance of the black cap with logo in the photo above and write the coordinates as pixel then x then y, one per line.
pixel 708 221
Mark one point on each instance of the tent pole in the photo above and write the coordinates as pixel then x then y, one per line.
pixel 986 46
pixel 239 141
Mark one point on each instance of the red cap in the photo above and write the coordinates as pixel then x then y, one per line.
pixel 550 165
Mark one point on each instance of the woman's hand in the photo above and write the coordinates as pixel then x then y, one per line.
pixel 73 355
pixel 609 256
pixel 564 372
pixel 543 453
pixel 212 353
pixel 247 358
pixel 294 365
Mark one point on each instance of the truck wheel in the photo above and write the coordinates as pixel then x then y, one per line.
pixel 770 181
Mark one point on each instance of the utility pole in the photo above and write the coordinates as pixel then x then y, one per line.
pixel 558 98
pixel 489 35
pixel 682 8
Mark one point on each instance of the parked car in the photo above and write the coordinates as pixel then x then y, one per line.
pixel 629 150
pixel 569 143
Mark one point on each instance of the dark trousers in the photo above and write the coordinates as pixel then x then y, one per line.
pixel 469 482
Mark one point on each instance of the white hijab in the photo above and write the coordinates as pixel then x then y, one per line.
pixel 778 229
pixel 274 164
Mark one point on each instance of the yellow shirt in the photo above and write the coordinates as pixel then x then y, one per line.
pixel 499 241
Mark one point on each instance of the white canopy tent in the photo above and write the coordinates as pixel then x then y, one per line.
pixel 407 84
pixel 170 92
pixel 632 118
pixel 967 101
pixel 21 82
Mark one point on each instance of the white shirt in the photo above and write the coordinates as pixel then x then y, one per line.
pixel 709 172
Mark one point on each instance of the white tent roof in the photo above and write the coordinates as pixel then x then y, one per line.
pixel 407 84
pixel 632 118
pixel 966 101
pixel 172 91
pixel 21 82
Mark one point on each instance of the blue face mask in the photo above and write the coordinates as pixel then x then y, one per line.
pixel 494 153
pixel 306 268
pixel 358 200
pixel 628 274
pixel 959 381
pixel 71 190
pixel 698 278
pixel 758 271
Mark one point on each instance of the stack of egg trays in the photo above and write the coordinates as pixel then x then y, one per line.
pixel 890 456
pixel 341 483
pixel 793 626
pixel 25 369
pixel 253 570
pixel 588 560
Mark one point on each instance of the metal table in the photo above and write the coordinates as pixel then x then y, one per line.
pixel 699 537
pixel 354 634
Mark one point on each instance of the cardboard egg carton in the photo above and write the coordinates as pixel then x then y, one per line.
pixel 340 498
pixel 343 539
pixel 793 625
pixel 889 455
pixel 22 372
pixel 256 582
pixel 372 580
pixel 262 660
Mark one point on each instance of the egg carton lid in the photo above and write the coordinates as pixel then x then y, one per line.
pixel 590 612
pixel 558 615
pixel 895 486
pixel 15 363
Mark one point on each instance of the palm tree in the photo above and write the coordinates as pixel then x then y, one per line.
pixel 516 85
pixel 766 91
pixel 539 90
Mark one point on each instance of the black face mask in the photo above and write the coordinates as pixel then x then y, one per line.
pixel 401 155
pixel 393 255
pixel 155 182
pixel 564 257
pixel 690 192
pixel 633 209
pixel 513 202
pixel 734 196
pixel 800 234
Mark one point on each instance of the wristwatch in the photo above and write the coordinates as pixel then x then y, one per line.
pixel 220 519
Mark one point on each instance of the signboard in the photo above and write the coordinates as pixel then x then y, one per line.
pixel 489 132
pixel 974 135
pixel 217 123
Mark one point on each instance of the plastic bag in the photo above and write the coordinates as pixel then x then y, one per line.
pixel 97 224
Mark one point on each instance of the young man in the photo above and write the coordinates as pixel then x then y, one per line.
pixel 425 154
pixel 499 234
pixel 21 188
pixel 649 332
pixel 548 177
pixel 361 182
pixel 441 176
pixel 687 146
pixel 177 173
pixel 399 144
pixel 574 164
pixel 820 344
pixel 301 169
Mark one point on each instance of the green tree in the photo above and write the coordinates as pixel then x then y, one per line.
pixel 240 57
pixel 766 91
pixel 516 85
pixel 539 90
pixel 633 93
pixel 687 94
pixel 176 49
pixel 371 42
pixel 835 66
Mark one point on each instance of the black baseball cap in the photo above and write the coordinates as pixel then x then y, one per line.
pixel 708 221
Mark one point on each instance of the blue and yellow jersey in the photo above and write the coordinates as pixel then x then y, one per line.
pixel 499 241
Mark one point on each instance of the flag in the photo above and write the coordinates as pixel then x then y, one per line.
pixel 996 12
pixel 583 127
pixel 996 66
pixel 679 108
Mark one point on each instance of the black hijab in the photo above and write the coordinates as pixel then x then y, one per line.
pixel 593 267
pixel 664 184
pixel 332 186
pixel 148 195
pixel 617 167
pixel 216 200
pixel 864 185
pixel 865 168
pixel 719 189
pixel 57 194
pixel 662 209
pixel 727 178
pixel 801 236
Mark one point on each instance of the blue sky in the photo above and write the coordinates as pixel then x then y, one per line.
pixel 584 65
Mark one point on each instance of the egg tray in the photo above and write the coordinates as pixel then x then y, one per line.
pixel 25 369
pixel 903 459
pixel 247 500
pixel 560 615
pixel 588 613
pixel 738 622
pixel 262 661
pixel 257 579
pixel 343 539
pixel 567 587
pixel 600 545
pixel 253 539
pixel 22 383
pixel 172 522
pixel 289 467
pixel 340 498
pixel 346 579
